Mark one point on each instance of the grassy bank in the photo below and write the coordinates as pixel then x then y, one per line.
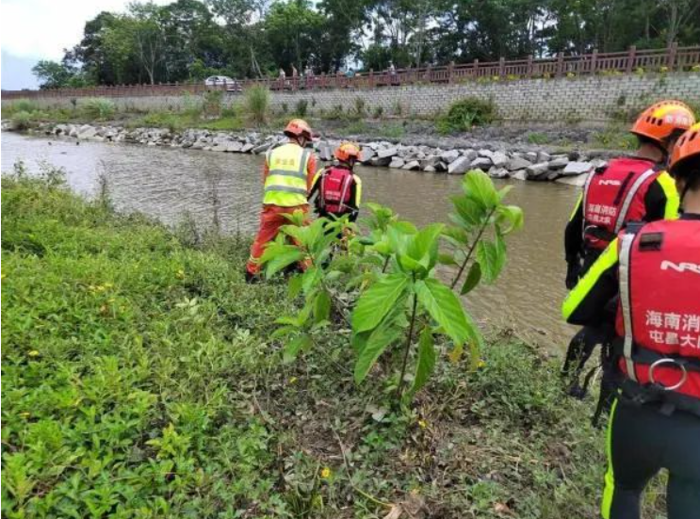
pixel 140 379
pixel 467 118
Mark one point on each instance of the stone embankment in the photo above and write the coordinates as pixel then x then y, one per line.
pixel 524 163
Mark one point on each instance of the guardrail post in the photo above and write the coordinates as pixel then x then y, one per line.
pixel 450 72
pixel 529 66
pixel 371 78
pixel 594 61
pixel 671 56
pixel 476 67
pixel 501 67
pixel 560 64
pixel 630 59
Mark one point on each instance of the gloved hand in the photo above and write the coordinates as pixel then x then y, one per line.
pixel 573 272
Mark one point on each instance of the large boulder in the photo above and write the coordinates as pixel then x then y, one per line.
pixel 573 180
pixel 366 154
pixel 558 162
pixel 411 165
pixel 234 147
pixel 521 174
pixel 535 171
pixel 431 161
pixel 448 157
pixel 86 132
pixel 459 166
pixel 517 163
pixel 499 159
pixel 543 156
pixel 380 161
pixel 470 154
pixel 482 163
pixel 577 168
pixel 397 163
pixel 247 147
pixel 387 153
pixel 498 172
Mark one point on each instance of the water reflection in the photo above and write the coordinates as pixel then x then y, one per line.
pixel 224 190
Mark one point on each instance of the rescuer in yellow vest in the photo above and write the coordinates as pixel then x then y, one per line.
pixel 288 174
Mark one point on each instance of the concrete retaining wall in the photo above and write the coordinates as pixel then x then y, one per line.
pixel 589 98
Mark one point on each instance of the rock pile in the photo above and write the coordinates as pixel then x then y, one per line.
pixel 569 168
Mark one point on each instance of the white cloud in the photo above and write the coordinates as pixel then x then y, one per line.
pixel 43 28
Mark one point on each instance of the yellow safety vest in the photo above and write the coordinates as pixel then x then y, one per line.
pixel 285 185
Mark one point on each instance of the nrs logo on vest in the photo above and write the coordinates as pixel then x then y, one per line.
pixel 680 267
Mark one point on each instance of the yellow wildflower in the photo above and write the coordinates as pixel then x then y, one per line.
pixel 423 424
pixel 108 285
pixel 25 415
pixel 293 380
pixel 326 473
pixel 180 274
pixel 33 353
pixel 481 364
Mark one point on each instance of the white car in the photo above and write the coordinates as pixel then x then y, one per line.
pixel 231 84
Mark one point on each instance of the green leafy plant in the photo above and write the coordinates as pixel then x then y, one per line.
pixel 21 121
pixel 465 114
pixel 99 108
pixel 301 107
pixel 388 276
pixel 360 106
pixel 378 112
pixel 256 103
pixel 320 248
pixel 212 103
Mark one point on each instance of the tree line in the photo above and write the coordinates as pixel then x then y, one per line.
pixel 193 39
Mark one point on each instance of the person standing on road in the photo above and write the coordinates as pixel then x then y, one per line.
pixel 627 189
pixel 655 420
pixel 287 175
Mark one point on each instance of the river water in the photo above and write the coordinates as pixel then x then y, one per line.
pixel 225 189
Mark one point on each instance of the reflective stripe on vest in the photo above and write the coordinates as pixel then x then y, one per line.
pixel 625 302
pixel 286 182
pixel 584 201
pixel 622 217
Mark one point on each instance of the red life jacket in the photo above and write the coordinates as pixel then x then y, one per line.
pixel 659 311
pixel 614 196
pixel 335 190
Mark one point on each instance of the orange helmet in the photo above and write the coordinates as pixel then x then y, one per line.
pixel 347 151
pixel 298 128
pixel 687 146
pixel 661 120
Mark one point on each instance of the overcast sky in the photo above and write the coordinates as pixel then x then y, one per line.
pixel 31 30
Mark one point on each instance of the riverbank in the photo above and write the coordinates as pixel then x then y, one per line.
pixel 141 378
pixel 448 155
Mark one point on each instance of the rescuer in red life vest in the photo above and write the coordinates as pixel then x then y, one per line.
pixel 628 189
pixel 337 190
pixel 655 421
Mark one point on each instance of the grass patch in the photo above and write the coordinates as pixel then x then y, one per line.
pixel 140 379
pixel 615 139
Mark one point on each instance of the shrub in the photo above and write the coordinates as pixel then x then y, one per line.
pixel 256 102
pixel 24 105
pixel 378 112
pixel 397 108
pixel 212 103
pixel 21 120
pixel 301 107
pixel 285 108
pixel 359 106
pixel 99 108
pixel 465 114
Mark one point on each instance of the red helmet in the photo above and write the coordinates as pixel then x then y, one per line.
pixel 298 128
pixel 347 151
pixel 687 146
pixel 661 120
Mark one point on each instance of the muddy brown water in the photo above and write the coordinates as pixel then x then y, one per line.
pixel 225 189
